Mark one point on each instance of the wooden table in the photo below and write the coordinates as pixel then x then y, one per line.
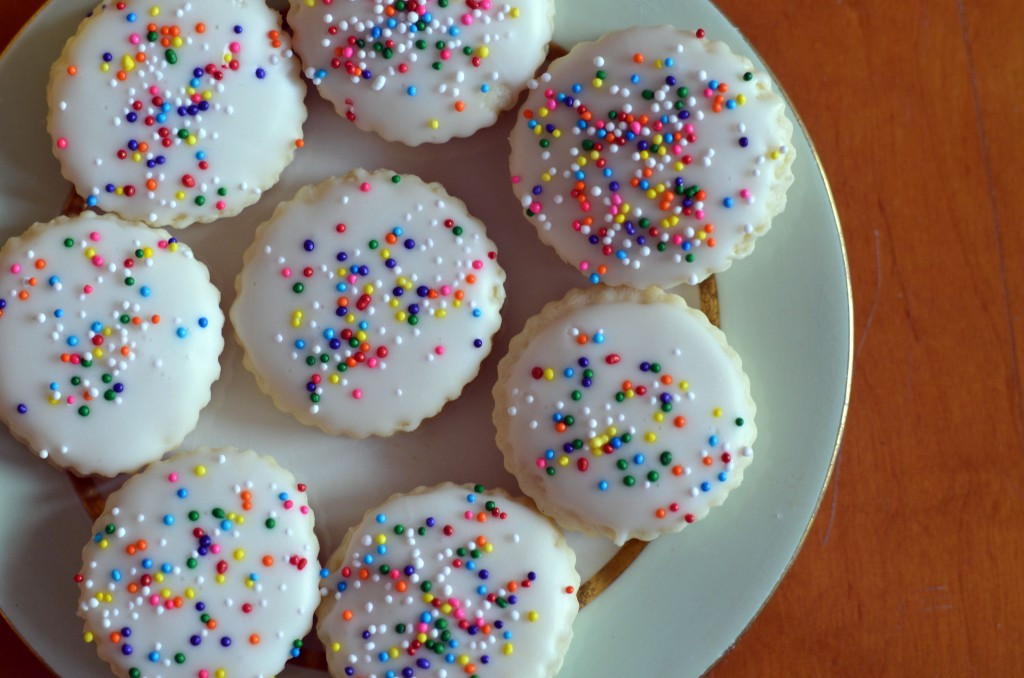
pixel 913 566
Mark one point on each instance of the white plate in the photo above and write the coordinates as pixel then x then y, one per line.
pixel 787 310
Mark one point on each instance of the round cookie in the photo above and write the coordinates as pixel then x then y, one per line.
pixel 112 334
pixel 176 111
pixel 203 565
pixel 368 302
pixel 652 157
pixel 623 413
pixel 449 581
pixel 421 71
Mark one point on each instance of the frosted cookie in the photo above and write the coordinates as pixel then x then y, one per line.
pixel 111 334
pixel 449 581
pixel 368 302
pixel 652 157
pixel 176 111
pixel 421 71
pixel 203 565
pixel 623 413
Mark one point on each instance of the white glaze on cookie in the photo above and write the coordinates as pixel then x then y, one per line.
pixel 421 71
pixel 111 335
pixel 203 565
pixel 368 302
pixel 449 581
pixel 176 111
pixel 652 157
pixel 624 413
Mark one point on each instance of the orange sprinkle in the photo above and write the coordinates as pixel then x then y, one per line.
pixel 247 506
pixel 602 269
pixel 347 615
pixel 711 242
pixel 23 295
pixel 87 396
pixel 41 264
pixel 638 58
pixel 470 669
pixel 460 106
pixel 471 279
pixel 142 545
pixel 155 320
pixel 512 586
pixel 707 461
pixel 299 143
pixel 560 427
pixel 72 70
pixel 582 339
pixel 32 282
pixel 133 587
pixel 677 470
pixel 666 379
pixel 200 28
pixel 660 513
pixel 390 239
pixel 121 75
pixel 401 586
pixel 481 517
pixel 136 320
pixel 130 549
pixel 212 624
pixel 364 574
pixel 115 637
pixel 151 184
pixel 460 295
pixel 268 561
pixel 570 589
pixel 178 602
pixel 481 540
pixel 125 351
pixel 254 639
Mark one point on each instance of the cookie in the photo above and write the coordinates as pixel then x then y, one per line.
pixel 652 157
pixel 451 580
pixel 112 335
pixel 623 413
pixel 421 71
pixel 205 564
pixel 368 302
pixel 176 111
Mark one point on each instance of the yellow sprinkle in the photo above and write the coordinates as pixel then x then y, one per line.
pixel 192 140
pixel 508 649
pixel 549 374
pixel 457 304
pixel 717 412
pixel 659 417
pixel 394 650
pixel 350 318
pixel 87 636
pixel 678 166
pixel 659 64
pixel 463 660
pixel 684 385
pixel 514 13
pixel 557 134
pixel 368 289
pixel 446 608
pixel 483 52
pixel 127 63
pixel 361 336
pixel 400 316
pixel 533 616
pixel 106 331
pixel 650 436
pixel 155 11
pixel 545 177
pixel 342 271
pixel 199 470
pixel 136 157
pixel 177 42
pixel 382 538
pixel 220 578
pixel 147 252
pixel 97 353
pixel 775 155
pixel 104 67
pixel 441 313
pixel 335 646
pixel 741 99
pixel 428 598
pixel 250 583
pixel 158 577
pixel 435 123
pixel 239 554
pixel 180 195
pixel 488 548
pixel 90 252
pixel 543 111
pixel 104 543
pixel 597 83
pixel 335 379
pixel 221 673
pixel 164 593
pixel 190 593
pixel 563 460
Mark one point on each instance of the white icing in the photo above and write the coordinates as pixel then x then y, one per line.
pixel 692 402
pixel 697 146
pixel 120 131
pixel 153 344
pixel 525 638
pixel 402 96
pixel 257 582
pixel 400 370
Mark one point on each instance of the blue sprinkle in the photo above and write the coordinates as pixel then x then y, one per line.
pixel 705 486
pixel 260 73
pixel 168 519
pixel 204 323
pixel 381 518
pixel 182 493
pixel 713 440
pixel 603 485
pixel 182 332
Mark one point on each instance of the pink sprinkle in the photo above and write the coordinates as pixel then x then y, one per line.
pixel 16 269
pixel 371 363
pixel 364 187
pixel 288 503
pixel 446 54
pixel 62 143
pixel 478 264
pixel 71 400
pixel 515 180
pixel 394 573
pixel 460 614
pixel 352 280
pixel 536 207
pixel 357 394
pixel 708 92
pixel 286 272
pixel 87 289
pixel 134 39
pixel 94 236
pixel 169 604
pixel 162 244
pixel 688 128
pixel 305 509
pixel 347 52
pixel 467 19
pixel 215 549
pixel 445 290
pixel 584 265
pixel 221 204
pixel 235 48
pixel 699 214
pixel 204 674
pixel 173 478
pixel 677 239
pixel 154 90
pixel 549 93
pixel 439 350
pixel 422 627
pixel 468 515
pixel 745 193
pixel 154 599
pixel 97 260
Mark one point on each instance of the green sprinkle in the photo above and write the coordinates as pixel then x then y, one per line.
pixel 298 288
pixel 629 481
pixel 270 523
pixel 171 57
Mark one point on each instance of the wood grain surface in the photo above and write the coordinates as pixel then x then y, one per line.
pixel 913 564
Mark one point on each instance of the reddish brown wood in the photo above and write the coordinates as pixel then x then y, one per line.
pixel 912 567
